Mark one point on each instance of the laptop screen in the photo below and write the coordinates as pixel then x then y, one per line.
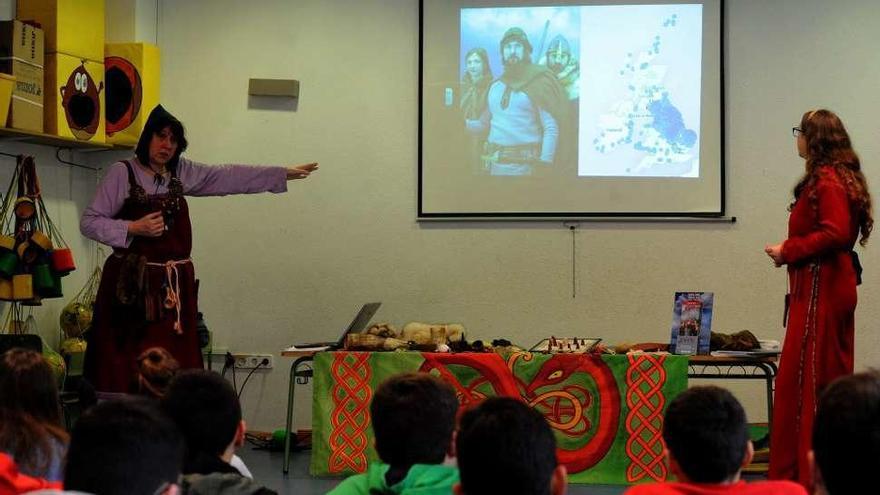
pixel 359 323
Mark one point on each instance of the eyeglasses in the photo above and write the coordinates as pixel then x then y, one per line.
pixel 796 131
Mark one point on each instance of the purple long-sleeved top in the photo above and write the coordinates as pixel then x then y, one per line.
pixel 198 179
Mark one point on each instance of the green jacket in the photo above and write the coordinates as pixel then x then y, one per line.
pixel 422 479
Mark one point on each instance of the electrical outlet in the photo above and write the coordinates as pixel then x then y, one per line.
pixel 251 361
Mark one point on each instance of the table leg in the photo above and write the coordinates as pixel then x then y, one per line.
pixel 771 388
pixel 769 375
pixel 290 393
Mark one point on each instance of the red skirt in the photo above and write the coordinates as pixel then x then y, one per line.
pixel 119 333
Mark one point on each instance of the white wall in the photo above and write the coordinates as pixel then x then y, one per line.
pixel 294 267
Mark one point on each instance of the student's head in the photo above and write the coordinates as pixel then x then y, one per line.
pixel 206 409
pixel 504 446
pixel 413 419
pixel 28 385
pixel 162 140
pixel 125 447
pixel 156 367
pixel 30 410
pixel 846 435
pixel 707 435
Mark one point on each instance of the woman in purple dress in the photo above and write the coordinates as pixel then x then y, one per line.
pixel 147 297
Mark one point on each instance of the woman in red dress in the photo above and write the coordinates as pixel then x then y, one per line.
pixel 831 209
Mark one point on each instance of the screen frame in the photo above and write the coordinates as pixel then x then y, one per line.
pixel 423 215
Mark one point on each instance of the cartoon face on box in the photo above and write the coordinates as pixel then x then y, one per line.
pixel 82 107
pixel 124 93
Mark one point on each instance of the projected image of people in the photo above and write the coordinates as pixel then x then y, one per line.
pixel 526 107
pixel 571 108
pixel 560 59
pixel 474 86
pixel 475 83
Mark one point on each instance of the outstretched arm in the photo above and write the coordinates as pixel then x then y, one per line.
pixel 219 180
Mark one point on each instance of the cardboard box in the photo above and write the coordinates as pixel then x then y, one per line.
pixel 21 54
pixel 21 41
pixel 72 27
pixel 74 98
pixel 7 82
pixel 131 76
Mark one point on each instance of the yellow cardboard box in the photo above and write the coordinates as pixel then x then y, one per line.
pixel 131 76
pixel 7 82
pixel 74 98
pixel 74 27
pixel 21 54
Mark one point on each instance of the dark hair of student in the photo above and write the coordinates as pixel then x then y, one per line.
pixel 206 409
pixel 30 410
pixel 706 432
pixel 156 368
pixel 846 433
pixel 123 447
pixel 505 446
pixel 413 418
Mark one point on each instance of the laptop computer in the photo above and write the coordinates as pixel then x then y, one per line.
pixel 357 325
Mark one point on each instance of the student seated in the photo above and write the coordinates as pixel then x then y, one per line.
pixel 505 447
pixel 31 428
pixel 156 368
pixel 707 441
pixel 846 436
pixel 413 417
pixel 207 411
pixel 124 447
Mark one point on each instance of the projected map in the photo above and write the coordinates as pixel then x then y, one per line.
pixel 640 106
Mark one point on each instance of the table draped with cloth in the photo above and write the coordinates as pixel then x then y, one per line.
pixel 605 410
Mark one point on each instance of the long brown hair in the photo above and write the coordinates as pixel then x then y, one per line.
pixel 828 143
pixel 30 410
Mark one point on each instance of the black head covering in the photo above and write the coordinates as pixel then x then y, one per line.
pixel 159 119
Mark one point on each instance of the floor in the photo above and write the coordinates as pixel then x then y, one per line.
pixel 266 468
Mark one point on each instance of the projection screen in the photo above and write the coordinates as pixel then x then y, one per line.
pixel 571 109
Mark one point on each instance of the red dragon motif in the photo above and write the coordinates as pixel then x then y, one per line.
pixel 555 391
